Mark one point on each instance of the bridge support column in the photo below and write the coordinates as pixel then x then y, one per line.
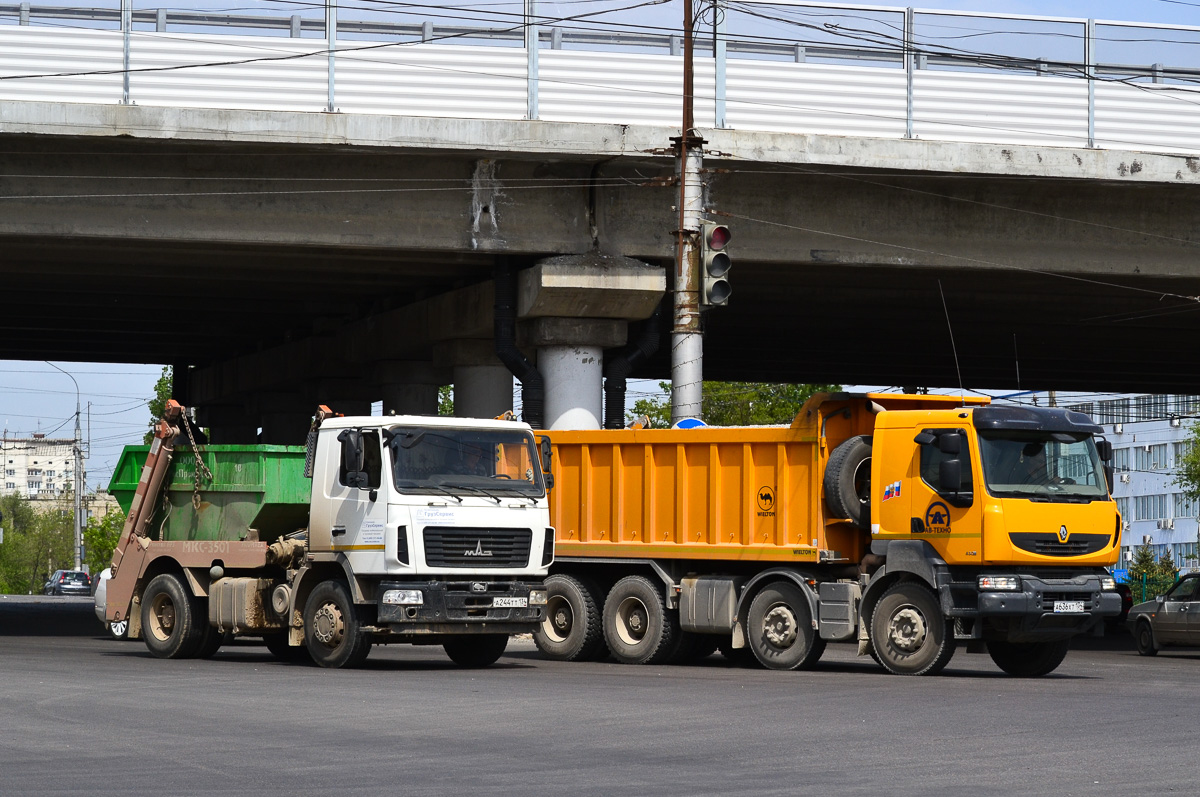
pixel 285 418
pixel 571 360
pixel 343 396
pixel 483 387
pixel 410 387
pixel 228 424
pixel 573 307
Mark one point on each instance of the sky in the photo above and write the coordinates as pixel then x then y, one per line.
pixel 36 397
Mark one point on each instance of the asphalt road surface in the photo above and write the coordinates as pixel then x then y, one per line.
pixel 84 714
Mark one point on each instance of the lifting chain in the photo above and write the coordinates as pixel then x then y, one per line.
pixel 201 468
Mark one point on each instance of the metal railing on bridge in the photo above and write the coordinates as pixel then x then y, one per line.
pixel 884 76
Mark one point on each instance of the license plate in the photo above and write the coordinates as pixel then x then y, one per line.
pixel 513 603
pixel 1062 607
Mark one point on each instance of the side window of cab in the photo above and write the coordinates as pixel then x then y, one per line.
pixel 362 460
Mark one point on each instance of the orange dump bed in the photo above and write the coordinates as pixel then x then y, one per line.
pixel 737 493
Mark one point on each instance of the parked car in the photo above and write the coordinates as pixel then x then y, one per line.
pixel 119 630
pixel 1168 620
pixel 68 582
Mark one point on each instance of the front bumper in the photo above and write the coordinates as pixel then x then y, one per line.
pixel 1029 615
pixel 461 607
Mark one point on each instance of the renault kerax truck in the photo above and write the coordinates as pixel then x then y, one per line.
pixel 909 525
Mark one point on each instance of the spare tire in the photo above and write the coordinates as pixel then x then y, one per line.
pixel 848 482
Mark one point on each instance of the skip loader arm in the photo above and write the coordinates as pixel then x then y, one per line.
pixel 133 545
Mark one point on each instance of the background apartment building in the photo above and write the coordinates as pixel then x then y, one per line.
pixel 1150 434
pixel 37 467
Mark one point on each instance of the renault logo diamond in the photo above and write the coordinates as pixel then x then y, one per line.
pixel 1062 534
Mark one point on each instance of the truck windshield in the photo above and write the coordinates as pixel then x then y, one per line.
pixel 465 461
pixel 1045 466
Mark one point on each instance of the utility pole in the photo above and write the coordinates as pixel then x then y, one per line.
pixel 687 339
pixel 78 488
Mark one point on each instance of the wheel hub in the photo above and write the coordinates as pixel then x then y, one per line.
pixel 633 621
pixel 908 629
pixel 558 620
pixel 329 627
pixel 779 626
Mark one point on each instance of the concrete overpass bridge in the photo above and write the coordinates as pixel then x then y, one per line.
pixel 287 218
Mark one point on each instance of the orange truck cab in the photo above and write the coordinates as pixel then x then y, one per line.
pixel 908 524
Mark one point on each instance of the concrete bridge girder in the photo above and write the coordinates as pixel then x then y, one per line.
pixel 386 252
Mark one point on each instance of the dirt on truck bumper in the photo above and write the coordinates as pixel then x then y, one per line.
pixel 1045 609
pixel 485 607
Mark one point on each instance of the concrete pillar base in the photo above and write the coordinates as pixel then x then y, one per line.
pixel 574 377
pixel 482 391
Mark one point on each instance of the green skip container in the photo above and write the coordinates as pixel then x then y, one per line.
pixel 256 492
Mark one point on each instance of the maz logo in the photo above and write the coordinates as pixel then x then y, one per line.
pixel 478 550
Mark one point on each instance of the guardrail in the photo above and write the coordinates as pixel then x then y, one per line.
pixel 906 88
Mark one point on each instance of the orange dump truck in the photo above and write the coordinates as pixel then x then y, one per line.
pixel 907 524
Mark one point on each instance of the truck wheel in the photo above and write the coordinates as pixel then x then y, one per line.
pixel 476 651
pixel 332 631
pixel 170 620
pixel 848 482
pixel 119 629
pixel 637 626
pixel 779 629
pixel 571 629
pixel 211 641
pixel 1144 638
pixel 909 633
pixel 1028 659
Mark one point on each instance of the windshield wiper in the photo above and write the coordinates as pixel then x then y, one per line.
pixel 439 490
pixel 475 490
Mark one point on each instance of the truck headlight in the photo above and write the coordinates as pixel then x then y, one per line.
pixel 537 597
pixel 1000 583
pixel 404 597
pixel 1108 583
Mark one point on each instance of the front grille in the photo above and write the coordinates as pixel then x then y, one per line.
pixel 1048 544
pixel 475 547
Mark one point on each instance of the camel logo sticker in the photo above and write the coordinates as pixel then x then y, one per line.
pixel 937 518
pixel 766 502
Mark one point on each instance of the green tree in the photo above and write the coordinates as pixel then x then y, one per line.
pixel 446 400
pixel 735 403
pixel 158 405
pixel 100 539
pixel 1154 576
pixel 35 545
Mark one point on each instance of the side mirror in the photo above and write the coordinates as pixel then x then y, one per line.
pixel 949 443
pixel 1105 449
pixel 924 439
pixel 353 457
pixel 544 450
pixel 1109 476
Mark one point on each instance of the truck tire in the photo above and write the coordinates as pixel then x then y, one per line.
pixel 779 629
pixel 476 651
pixel 210 641
pixel 1028 659
pixel 170 618
pixel 119 630
pixel 332 630
pixel 1143 637
pixel 571 629
pixel 908 631
pixel 848 482
pixel 637 625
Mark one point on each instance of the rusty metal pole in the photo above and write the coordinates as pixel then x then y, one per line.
pixel 687 340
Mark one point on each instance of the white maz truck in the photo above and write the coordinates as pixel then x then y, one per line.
pixel 409 529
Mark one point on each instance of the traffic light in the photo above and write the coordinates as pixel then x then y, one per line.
pixel 714 264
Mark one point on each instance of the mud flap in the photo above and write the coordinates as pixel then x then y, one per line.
pixel 864 641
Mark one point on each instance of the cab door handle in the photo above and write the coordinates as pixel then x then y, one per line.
pixel 918 525
pixel 339 531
